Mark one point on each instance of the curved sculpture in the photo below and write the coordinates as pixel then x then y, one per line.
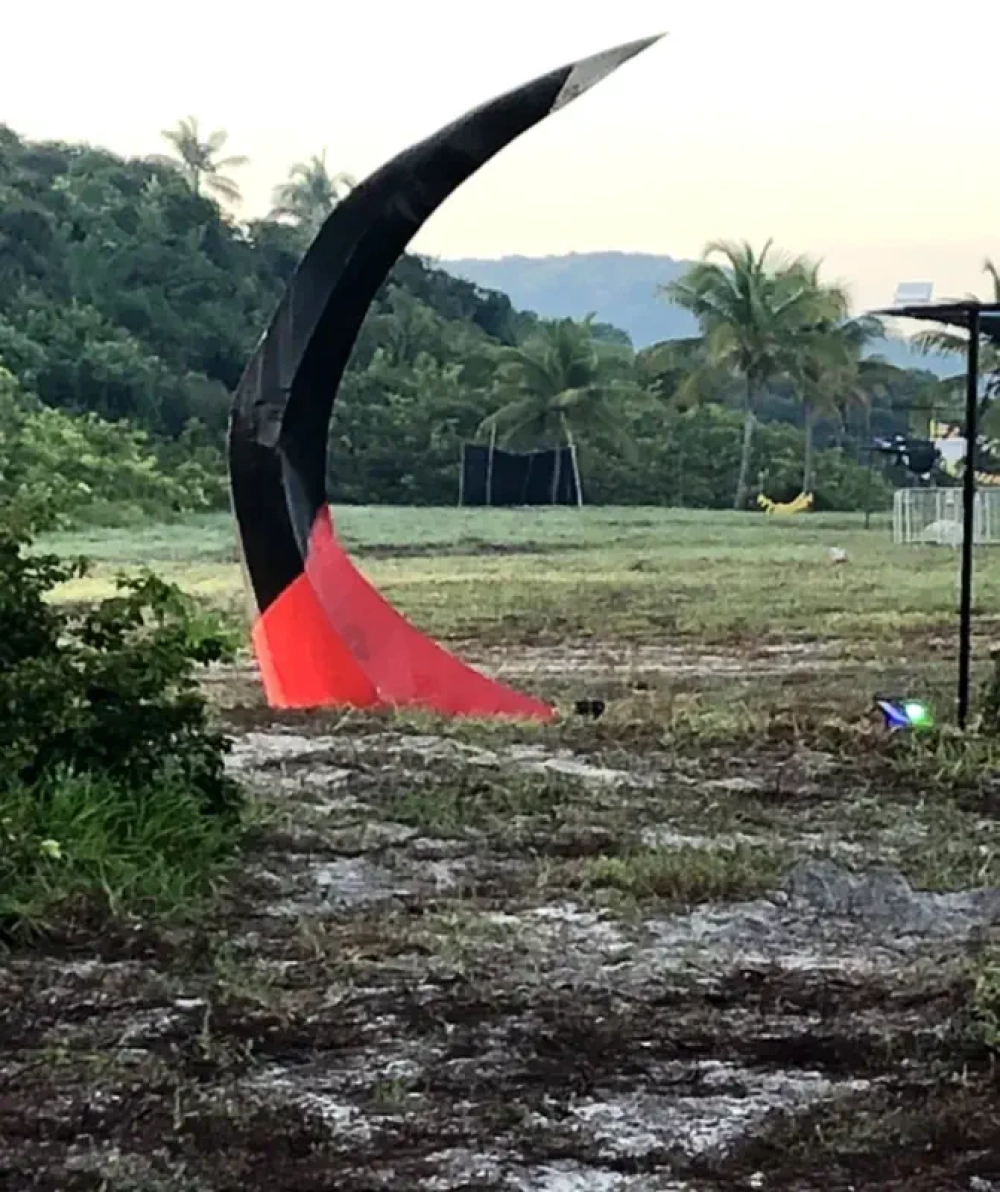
pixel 323 636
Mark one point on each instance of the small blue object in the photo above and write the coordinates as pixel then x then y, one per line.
pixel 905 713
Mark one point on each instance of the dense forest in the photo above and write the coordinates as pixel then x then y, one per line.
pixel 130 299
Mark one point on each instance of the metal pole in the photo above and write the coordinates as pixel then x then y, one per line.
pixel 968 517
pixel 868 481
pixel 576 475
pixel 489 465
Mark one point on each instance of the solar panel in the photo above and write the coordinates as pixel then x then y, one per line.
pixel 913 293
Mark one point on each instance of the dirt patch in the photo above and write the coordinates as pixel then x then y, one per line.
pixel 832 676
pixel 466 548
pixel 487 959
pixel 605 661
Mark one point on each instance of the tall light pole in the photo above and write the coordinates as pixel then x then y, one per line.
pixel 976 319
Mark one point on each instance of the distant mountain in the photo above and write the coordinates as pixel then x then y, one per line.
pixel 899 352
pixel 620 287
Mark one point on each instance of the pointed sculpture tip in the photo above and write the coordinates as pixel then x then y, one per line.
pixel 642 43
pixel 588 72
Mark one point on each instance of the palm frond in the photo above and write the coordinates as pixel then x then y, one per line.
pixel 991 270
pixel 940 341
pixel 224 187
pixel 528 366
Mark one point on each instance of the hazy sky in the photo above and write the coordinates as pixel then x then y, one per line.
pixel 783 118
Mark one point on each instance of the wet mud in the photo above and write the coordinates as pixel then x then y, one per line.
pixel 595 962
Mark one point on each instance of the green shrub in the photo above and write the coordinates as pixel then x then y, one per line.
pixel 687 874
pixel 75 848
pixel 59 468
pixel 114 784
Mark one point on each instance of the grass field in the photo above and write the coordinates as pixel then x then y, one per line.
pixel 729 935
pixel 632 582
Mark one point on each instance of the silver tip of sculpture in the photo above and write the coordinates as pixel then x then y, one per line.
pixel 590 71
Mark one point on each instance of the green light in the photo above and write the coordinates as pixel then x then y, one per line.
pixel 918 714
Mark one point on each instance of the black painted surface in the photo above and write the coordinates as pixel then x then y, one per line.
pixel 282 407
pixel 508 478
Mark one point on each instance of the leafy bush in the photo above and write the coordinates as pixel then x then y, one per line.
pixel 75 848
pixel 54 464
pixel 692 458
pixel 114 782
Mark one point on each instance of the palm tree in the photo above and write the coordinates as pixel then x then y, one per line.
pixel 310 194
pixel 198 160
pixel 680 374
pixel 560 382
pixel 749 306
pixel 825 363
pixel 957 343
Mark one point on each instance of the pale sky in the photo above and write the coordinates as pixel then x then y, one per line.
pixel 781 118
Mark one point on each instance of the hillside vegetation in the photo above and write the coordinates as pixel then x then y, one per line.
pixel 620 287
pixel 129 301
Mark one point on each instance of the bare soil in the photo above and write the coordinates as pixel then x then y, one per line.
pixel 593 958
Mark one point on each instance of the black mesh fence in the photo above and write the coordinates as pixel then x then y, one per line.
pixel 491 476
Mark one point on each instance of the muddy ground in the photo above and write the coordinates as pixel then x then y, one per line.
pixel 609 955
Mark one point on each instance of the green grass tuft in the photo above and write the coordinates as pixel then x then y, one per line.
pixel 79 848
pixel 986 1001
pixel 687 874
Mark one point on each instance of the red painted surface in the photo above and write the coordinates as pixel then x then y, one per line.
pixel 303 663
pixel 366 653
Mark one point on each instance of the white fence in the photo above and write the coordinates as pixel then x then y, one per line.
pixel 933 516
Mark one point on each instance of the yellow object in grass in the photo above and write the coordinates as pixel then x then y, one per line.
pixel 801 503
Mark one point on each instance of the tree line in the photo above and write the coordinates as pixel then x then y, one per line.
pixel 130 298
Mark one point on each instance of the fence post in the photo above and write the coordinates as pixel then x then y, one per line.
pixel 489 465
pixel 576 475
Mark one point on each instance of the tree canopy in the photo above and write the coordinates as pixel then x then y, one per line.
pixel 199 160
pixel 310 194
pixel 752 307
pixel 130 299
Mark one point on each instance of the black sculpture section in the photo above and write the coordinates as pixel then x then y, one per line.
pixel 322 635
